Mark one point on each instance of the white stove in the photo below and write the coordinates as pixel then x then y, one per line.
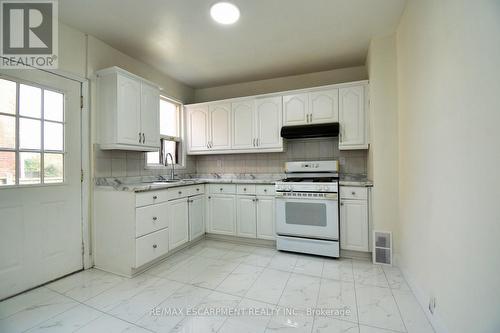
pixel 307 210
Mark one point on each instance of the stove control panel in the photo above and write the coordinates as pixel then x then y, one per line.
pixel 307 187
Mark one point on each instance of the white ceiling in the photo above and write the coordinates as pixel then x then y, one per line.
pixel 272 38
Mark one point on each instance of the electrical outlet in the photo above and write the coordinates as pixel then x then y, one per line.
pixel 432 304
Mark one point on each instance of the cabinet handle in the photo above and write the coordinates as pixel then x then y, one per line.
pixel 140 138
pixel 265 190
pixel 341 203
pixel 155 218
pixel 180 192
pixel 257 142
pixel 245 189
pixel 209 197
pixel 155 246
pixel 198 189
pixel 253 142
pixel 143 138
pixel 353 193
pixel 155 197
pixel 220 189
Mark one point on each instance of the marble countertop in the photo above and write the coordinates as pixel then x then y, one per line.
pixel 142 184
pixel 150 183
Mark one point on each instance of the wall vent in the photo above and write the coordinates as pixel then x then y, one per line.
pixel 382 241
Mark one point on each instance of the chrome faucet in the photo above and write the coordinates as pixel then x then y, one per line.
pixel 172 171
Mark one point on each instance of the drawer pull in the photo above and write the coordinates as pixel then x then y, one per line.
pixel 353 193
pixel 155 197
pixel 220 189
pixel 180 192
pixel 245 189
pixel 155 246
pixel 265 190
pixel 155 218
pixel 198 189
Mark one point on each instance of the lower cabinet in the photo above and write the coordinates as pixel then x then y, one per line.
pixel 354 219
pixel 265 218
pixel 243 211
pixel 196 211
pixel 178 218
pixel 222 214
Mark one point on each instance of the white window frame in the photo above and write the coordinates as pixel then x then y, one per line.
pixel 180 139
pixel 17 150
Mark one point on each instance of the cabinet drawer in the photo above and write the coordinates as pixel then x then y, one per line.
pixel 265 190
pixel 150 218
pixel 223 188
pixel 352 192
pixel 150 197
pixel 245 189
pixel 150 247
pixel 185 191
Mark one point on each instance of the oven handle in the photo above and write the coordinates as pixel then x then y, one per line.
pixel 326 196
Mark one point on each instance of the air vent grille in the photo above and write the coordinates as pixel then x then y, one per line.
pixel 382 253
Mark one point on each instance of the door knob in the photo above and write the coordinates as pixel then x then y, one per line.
pixel 155 246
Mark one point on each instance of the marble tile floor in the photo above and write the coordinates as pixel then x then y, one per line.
pixel 217 286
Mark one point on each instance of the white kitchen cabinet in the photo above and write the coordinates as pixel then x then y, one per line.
pixel 353 118
pixel 128 111
pixel 178 225
pixel 196 216
pixel 246 218
pixel 243 127
pixel 222 214
pixel 220 126
pixel 296 109
pixel 354 219
pixel 324 106
pixel 266 217
pixel 197 128
pixel 268 113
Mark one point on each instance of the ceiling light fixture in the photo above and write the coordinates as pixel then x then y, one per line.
pixel 225 13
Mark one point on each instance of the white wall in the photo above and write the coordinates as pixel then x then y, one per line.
pixel 383 153
pixel 448 55
pixel 281 84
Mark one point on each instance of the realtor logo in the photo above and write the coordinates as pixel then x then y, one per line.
pixel 29 34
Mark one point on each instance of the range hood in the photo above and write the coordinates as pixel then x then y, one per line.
pixel 310 131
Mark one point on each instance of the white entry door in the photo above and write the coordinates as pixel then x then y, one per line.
pixel 40 186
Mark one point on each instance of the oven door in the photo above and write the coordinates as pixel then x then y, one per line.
pixel 307 215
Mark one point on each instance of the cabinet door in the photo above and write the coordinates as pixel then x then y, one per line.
pixel 352 117
pixel 295 109
pixel 220 126
pixel 196 216
pixel 246 216
pixel 243 129
pixel 324 106
pixel 150 116
pixel 129 110
pixel 269 118
pixel 178 222
pixel 197 129
pixel 265 218
pixel 354 225
pixel 222 214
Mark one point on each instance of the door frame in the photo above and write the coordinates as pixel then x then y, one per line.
pixel 86 184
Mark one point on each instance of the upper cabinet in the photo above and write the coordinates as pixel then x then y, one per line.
pixel 353 118
pixel 250 125
pixel 128 111
pixel 315 107
pixel 253 124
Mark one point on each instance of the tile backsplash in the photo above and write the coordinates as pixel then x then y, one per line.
pixel 131 164
pixel 353 161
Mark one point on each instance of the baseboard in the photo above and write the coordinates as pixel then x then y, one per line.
pixel 242 240
pixel 423 299
pixel 357 255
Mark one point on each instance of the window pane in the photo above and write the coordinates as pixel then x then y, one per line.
pixel 153 157
pixel 53 168
pixel 7 168
pixel 171 147
pixel 7 132
pixel 30 101
pixel 53 105
pixel 29 168
pixel 168 118
pixel 7 96
pixel 53 136
pixel 29 134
